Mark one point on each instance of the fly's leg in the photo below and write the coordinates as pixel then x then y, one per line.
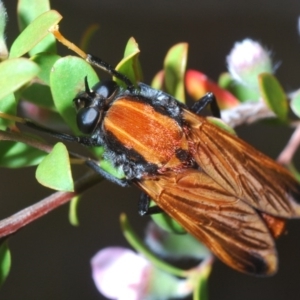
pixel 84 140
pixel 209 98
pixel 144 206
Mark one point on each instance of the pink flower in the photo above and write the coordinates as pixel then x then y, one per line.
pixel 121 274
pixel 247 60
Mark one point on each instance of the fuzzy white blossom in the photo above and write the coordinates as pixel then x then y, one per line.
pixel 247 60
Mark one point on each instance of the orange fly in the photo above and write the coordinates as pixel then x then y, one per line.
pixel 220 189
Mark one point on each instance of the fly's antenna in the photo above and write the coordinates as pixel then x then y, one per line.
pixel 87 88
pixel 91 59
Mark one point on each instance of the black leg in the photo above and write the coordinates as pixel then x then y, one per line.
pixel 98 62
pixel 84 140
pixel 143 206
pixel 209 98
pixel 49 131
pixel 95 167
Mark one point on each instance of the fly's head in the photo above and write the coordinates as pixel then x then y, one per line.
pixel 91 105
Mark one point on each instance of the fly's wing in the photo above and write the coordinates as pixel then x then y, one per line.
pixel 242 170
pixel 232 229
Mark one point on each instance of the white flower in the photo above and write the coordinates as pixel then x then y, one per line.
pixel 247 60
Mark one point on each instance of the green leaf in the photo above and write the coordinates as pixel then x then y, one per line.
pixel 98 151
pixel 5 262
pixel 39 94
pixel 3 20
pixel 242 92
pixel 218 122
pixel 54 171
pixel 130 65
pixel 28 11
pixel 140 247
pixel 34 33
pixel 14 73
pixel 295 103
pixel 273 95
pixel 45 61
pixel 174 245
pixel 108 167
pixel 158 80
pixel 73 218
pixel 197 84
pixel 200 291
pixel 19 155
pixel 294 171
pixel 7 105
pixel 66 81
pixel 174 66
pixel 167 223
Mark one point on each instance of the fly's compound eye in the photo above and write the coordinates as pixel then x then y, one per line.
pixel 87 119
pixel 105 89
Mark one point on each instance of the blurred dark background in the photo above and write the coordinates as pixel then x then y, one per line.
pixel 50 258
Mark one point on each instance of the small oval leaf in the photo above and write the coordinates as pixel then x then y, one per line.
pixel 54 171
pixel 242 92
pixel 73 207
pixel 158 80
pixel 273 95
pixel 130 65
pixel 107 166
pixel 8 105
pixel 174 245
pixel 14 73
pixel 39 94
pixel 295 103
pixel 220 123
pixel 165 222
pixel 66 81
pixel 28 11
pixel 5 262
pixel 19 155
pixel 34 33
pixel 174 66
pixel 198 84
pixel 45 61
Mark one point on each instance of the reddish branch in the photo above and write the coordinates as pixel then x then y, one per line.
pixel 35 211
pixel 289 150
